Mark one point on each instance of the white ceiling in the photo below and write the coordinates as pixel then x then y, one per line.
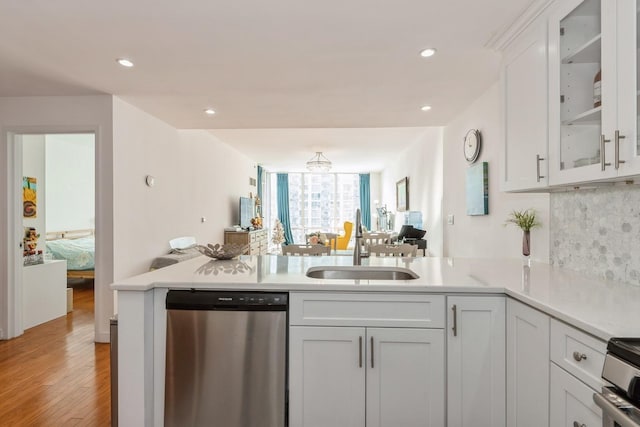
pixel 263 64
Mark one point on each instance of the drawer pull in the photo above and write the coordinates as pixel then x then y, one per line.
pixel 577 424
pixel 538 159
pixel 577 356
pixel 360 354
pixel 455 320
pixel 372 352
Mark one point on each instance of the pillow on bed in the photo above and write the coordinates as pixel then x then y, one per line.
pixel 182 242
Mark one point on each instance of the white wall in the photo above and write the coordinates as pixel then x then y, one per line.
pixel 195 176
pixel 57 114
pixel 33 166
pixel 486 236
pixel 70 179
pixel 422 164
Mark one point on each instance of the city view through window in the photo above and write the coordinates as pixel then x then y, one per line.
pixel 317 202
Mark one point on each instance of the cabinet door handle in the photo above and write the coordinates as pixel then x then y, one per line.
pixel 360 353
pixel 455 320
pixel 616 147
pixel 577 356
pixel 577 424
pixel 603 163
pixel 372 352
pixel 538 159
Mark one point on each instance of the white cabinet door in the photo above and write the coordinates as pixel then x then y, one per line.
pixel 526 112
pixel 527 366
pixel 576 124
pixel 476 361
pixel 326 376
pixel 628 76
pixel 405 377
pixel 590 142
pixel 571 401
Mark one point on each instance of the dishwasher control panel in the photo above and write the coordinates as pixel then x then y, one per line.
pixel 223 300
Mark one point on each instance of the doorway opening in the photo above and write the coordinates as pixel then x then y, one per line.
pixel 56 172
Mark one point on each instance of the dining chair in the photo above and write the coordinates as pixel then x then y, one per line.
pixel 375 238
pixel 343 241
pixel 404 250
pixel 302 250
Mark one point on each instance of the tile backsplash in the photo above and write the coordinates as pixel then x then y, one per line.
pixel 597 232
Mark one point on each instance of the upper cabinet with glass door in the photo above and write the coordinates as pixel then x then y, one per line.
pixel 592 72
pixel 625 145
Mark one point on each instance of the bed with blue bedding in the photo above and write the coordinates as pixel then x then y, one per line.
pixel 79 253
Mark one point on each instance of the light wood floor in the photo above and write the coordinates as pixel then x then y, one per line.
pixel 54 374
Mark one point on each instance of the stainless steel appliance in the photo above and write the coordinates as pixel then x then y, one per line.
pixel 620 402
pixel 226 361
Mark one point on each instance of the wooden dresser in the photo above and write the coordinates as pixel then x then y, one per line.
pixel 256 239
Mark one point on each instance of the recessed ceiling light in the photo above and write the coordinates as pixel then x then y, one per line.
pixel 125 62
pixel 428 52
pixel 425 107
pixel 210 111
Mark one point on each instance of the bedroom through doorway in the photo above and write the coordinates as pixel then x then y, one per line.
pixel 57 222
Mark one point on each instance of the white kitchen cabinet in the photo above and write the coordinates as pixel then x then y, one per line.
pixel 571 401
pixel 578 353
pixel 526 111
pixel 405 377
pixel 476 361
pixel 327 376
pixel 590 142
pixel 396 375
pixel 527 366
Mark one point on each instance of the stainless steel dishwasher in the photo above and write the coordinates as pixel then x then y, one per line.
pixel 226 361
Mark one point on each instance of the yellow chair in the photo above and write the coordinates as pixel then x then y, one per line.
pixel 343 241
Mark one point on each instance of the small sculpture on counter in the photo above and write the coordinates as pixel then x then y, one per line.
pixel 226 251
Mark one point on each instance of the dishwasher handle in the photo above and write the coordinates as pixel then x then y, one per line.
pixel 226 301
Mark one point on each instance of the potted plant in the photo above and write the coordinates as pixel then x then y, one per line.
pixel 526 220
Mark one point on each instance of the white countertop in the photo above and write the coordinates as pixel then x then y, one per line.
pixel 599 307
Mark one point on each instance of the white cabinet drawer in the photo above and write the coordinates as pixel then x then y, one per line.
pixel 578 353
pixel 366 309
pixel 571 402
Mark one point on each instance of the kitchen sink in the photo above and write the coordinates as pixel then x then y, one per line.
pixel 359 272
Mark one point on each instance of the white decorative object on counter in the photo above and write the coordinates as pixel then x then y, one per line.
pixel 227 251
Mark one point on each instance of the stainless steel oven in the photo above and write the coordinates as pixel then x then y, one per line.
pixel 620 401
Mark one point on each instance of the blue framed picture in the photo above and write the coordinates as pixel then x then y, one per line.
pixel 477 186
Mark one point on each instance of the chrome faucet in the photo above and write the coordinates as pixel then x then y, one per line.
pixel 357 251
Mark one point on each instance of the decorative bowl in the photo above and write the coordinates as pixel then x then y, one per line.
pixel 227 251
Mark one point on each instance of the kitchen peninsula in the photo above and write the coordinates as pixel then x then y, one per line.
pixel 457 299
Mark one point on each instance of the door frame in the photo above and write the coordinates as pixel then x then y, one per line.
pixel 11 324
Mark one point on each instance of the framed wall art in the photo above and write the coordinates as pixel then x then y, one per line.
pixel 29 200
pixel 402 195
pixel 477 186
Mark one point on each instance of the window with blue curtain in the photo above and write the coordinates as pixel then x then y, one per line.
pixel 259 184
pixel 283 206
pixel 317 202
pixel 365 199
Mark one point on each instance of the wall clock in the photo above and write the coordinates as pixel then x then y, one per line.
pixel 472 145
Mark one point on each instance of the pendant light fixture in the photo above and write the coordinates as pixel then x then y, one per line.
pixel 319 163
